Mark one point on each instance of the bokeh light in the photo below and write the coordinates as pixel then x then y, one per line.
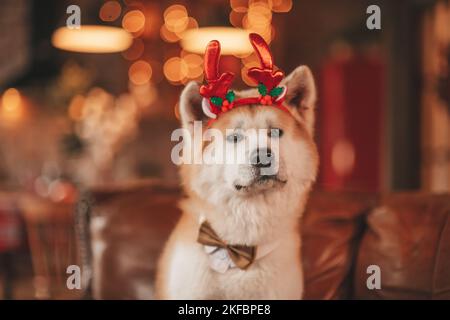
pixel 75 110
pixel 168 35
pixel 236 18
pixel 11 108
pixel 192 24
pixel 258 19
pixel 176 18
pixel 256 15
pixel 140 72
pixel 194 63
pixel 343 157
pixel 133 21
pixel 259 14
pixel 175 69
pixel 144 95
pixel 239 5
pixel 110 11
pixel 281 5
pixel 93 39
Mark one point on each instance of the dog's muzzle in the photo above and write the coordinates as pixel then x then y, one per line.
pixel 263 160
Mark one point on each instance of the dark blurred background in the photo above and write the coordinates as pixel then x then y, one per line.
pixel 71 120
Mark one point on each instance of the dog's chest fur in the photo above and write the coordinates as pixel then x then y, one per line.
pixel 186 274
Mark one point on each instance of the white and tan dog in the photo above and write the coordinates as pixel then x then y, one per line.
pixel 242 206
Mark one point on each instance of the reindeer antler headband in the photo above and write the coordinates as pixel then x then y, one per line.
pixel 217 96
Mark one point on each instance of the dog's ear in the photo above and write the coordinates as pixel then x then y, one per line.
pixel 191 105
pixel 301 95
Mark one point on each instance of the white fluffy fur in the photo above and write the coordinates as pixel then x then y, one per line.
pixel 269 213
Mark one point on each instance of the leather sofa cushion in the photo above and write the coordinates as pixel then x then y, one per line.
pixel 128 229
pixel 331 230
pixel 408 237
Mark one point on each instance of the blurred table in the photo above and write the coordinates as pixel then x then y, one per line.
pixel 51 237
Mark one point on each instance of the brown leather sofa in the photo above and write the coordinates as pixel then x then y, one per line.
pixel 122 232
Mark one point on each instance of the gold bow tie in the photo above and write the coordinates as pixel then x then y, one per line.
pixel 242 256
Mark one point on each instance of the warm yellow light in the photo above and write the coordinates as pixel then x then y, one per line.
pixel 259 12
pixel 92 39
pixel 75 110
pixel 192 24
pixel 236 18
pixel 194 63
pixel 168 35
pixel 11 105
pixel 133 21
pixel 233 40
pixel 11 99
pixel 140 72
pixel 239 5
pixel 176 18
pixel 144 95
pixel 258 18
pixel 343 157
pixel 281 5
pixel 263 29
pixel 175 69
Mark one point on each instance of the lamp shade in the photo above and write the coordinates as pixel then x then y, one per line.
pixel 232 40
pixel 92 39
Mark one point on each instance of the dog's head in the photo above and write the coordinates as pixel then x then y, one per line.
pixel 273 151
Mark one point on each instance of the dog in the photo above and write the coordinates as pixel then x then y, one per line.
pixel 233 203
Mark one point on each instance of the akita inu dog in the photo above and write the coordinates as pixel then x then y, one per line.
pixel 239 235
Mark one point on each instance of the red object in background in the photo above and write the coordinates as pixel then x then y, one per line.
pixel 351 124
pixel 10 229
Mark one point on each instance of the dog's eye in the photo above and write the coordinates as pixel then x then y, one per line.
pixel 235 137
pixel 275 133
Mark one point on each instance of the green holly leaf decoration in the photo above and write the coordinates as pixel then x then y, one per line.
pixel 230 96
pixel 217 101
pixel 275 92
pixel 262 89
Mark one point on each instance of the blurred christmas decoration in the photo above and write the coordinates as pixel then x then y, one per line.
pixel 245 17
pixel 256 15
pixel 176 22
pixel 93 38
pixel 107 124
pixel 73 81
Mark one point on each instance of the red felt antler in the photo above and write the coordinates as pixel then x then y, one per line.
pixel 216 86
pixel 217 98
pixel 265 74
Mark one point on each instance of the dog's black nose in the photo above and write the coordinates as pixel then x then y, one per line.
pixel 261 158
